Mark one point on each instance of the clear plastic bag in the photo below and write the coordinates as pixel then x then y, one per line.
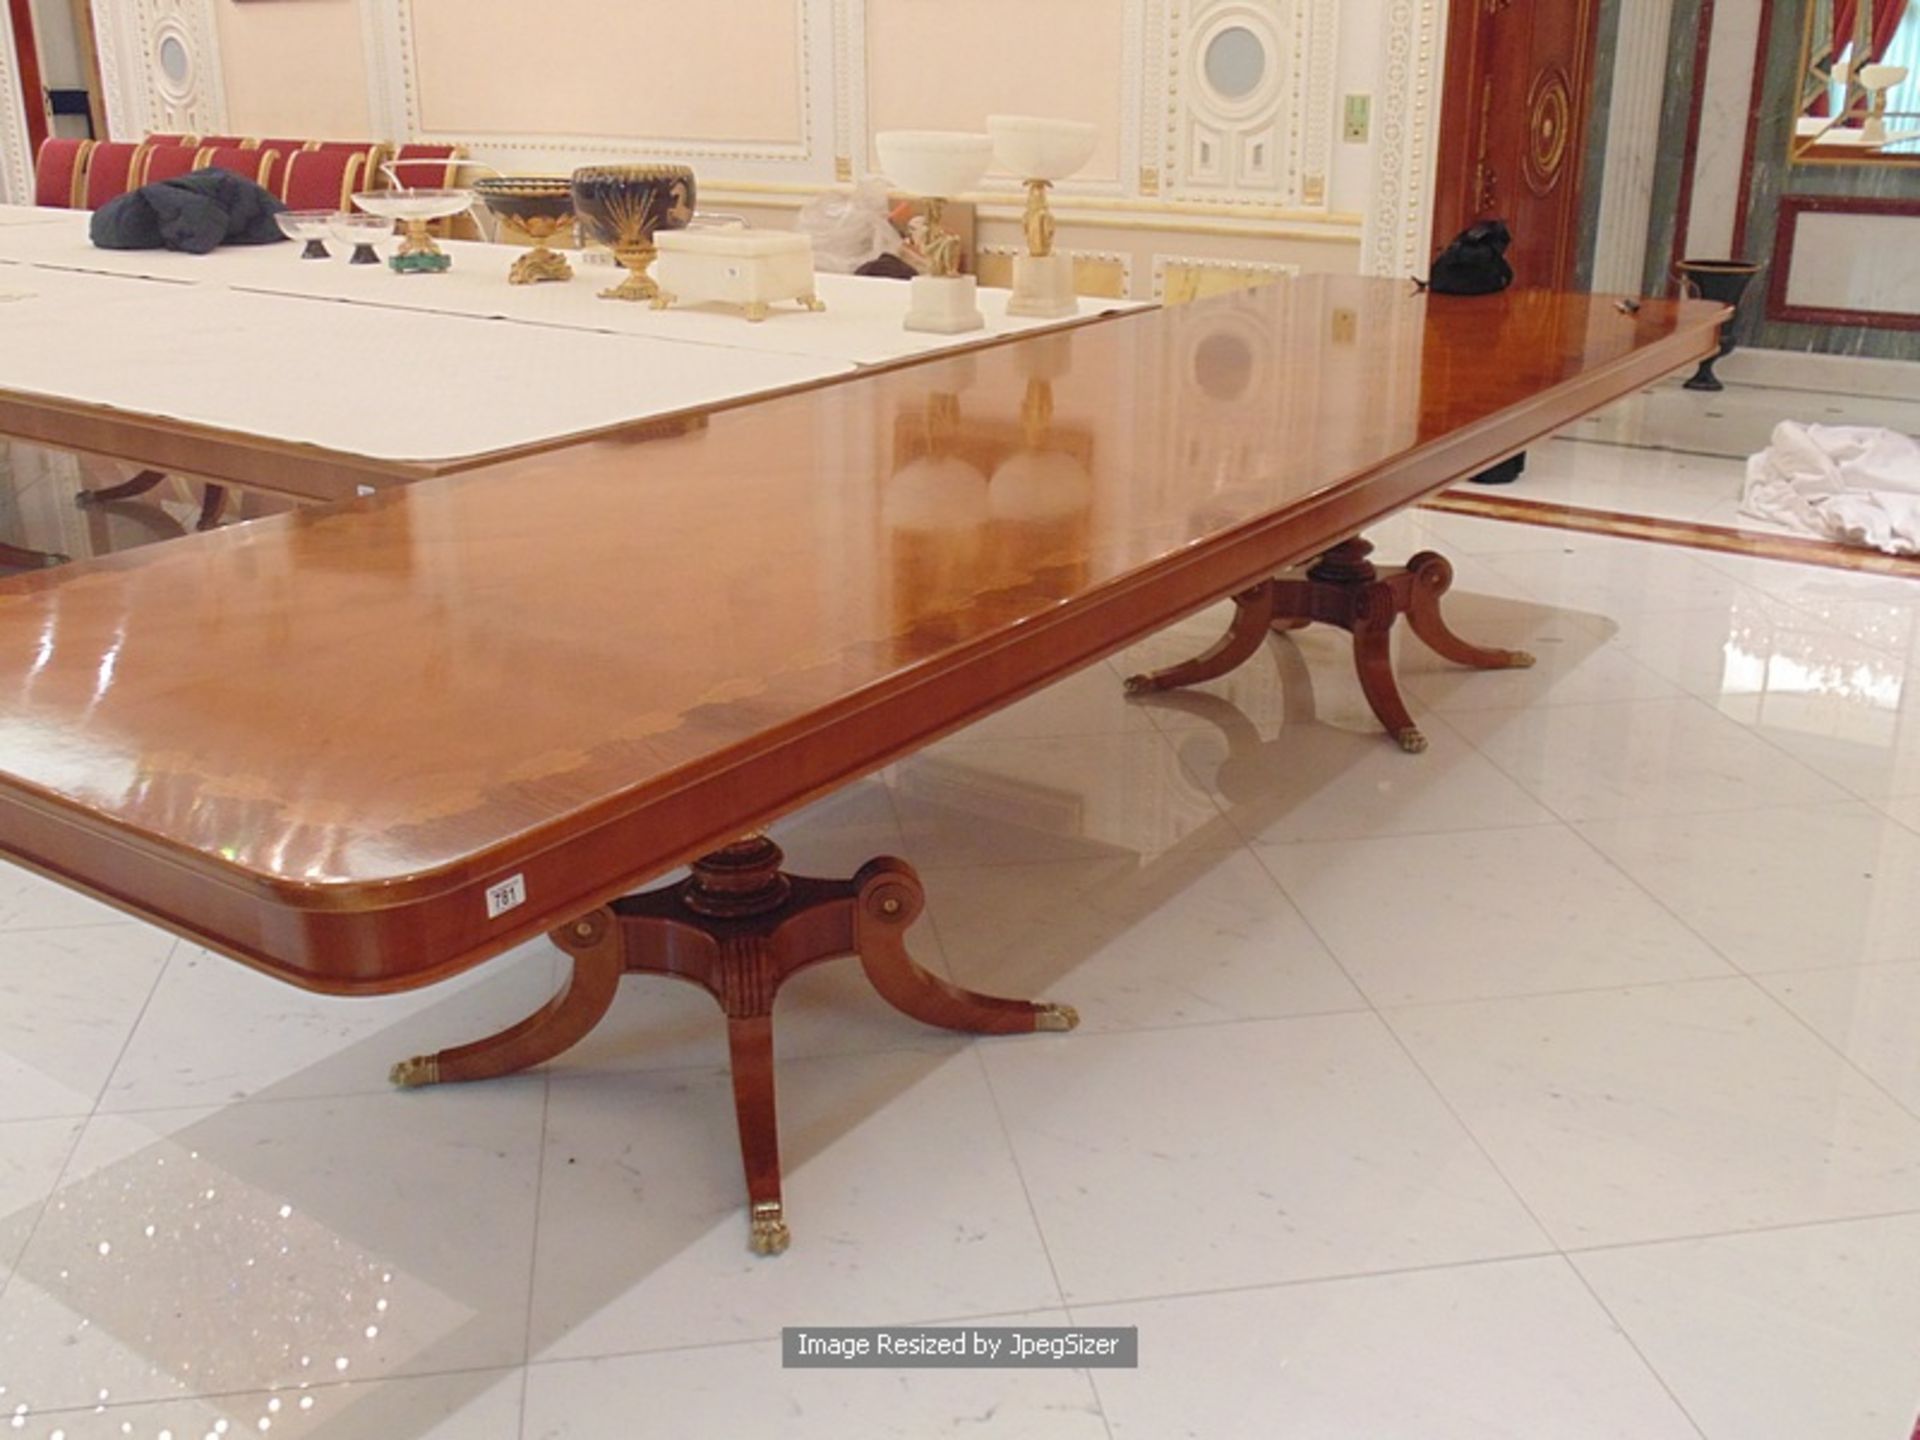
pixel 849 227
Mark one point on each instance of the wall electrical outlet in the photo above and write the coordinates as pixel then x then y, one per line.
pixel 1357 119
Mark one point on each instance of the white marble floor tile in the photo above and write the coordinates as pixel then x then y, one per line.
pixel 32 1154
pixel 255 1247
pixel 68 1000
pixel 1172 1160
pixel 1781 1335
pixel 1753 646
pixel 740 1390
pixel 475 1405
pixel 1785 888
pixel 1610 576
pixel 1456 536
pixel 1312 782
pixel 1885 623
pixel 1869 1013
pixel 1516 1350
pixel 1906 811
pixel 1639 757
pixel 1859 726
pixel 28 902
pixel 1667 1111
pixel 900 1189
pixel 996 802
pixel 216 1032
pixel 1484 914
pixel 1574 665
pixel 1182 940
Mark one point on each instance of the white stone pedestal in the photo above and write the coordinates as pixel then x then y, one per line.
pixel 1043 287
pixel 944 305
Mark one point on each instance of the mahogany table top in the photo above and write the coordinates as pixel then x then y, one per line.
pixel 318 741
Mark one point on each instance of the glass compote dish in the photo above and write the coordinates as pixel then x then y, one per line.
pixel 307 225
pixel 622 207
pixel 540 206
pixel 416 209
pixel 362 232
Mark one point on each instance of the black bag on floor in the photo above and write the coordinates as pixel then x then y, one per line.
pixel 1475 263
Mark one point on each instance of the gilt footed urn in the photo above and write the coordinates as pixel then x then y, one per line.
pixel 623 207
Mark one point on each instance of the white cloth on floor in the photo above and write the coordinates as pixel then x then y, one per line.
pixel 1853 483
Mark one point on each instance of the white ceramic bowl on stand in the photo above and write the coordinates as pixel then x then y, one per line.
pixel 937 165
pixel 1041 151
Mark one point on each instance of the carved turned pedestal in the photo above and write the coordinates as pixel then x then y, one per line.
pixel 740 925
pixel 1343 587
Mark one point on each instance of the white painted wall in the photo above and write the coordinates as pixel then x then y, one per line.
pixel 782 99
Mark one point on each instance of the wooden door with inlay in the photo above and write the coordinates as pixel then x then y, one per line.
pixel 1519 86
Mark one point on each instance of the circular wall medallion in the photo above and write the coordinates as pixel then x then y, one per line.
pixel 1235 62
pixel 173 62
pixel 1549 129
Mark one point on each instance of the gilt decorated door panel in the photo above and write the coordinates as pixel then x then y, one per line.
pixel 1519 87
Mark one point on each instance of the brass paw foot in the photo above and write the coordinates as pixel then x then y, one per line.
pixel 813 302
pixel 769 1234
pixel 1411 740
pixel 1520 660
pixel 420 1070
pixel 1139 685
pixel 1056 1017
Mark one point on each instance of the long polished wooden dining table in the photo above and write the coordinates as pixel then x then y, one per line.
pixel 366 746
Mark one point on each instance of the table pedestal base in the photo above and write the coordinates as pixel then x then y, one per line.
pixel 739 926
pixel 1343 587
pixel 213 500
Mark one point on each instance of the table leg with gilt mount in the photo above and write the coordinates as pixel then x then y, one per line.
pixel 1344 587
pixel 739 925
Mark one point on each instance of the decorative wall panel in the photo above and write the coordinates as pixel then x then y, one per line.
pixel 1397 240
pixel 16 164
pixel 777 98
pixel 1249 100
pixel 1840 261
pixel 161 66
pixel 932 66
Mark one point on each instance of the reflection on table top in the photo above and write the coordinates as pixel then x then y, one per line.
pixel 591 663
pixel 41 525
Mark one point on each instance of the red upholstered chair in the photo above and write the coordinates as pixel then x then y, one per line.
pixel 60 173
pixel 287 147
pixel 174 139
pixel 322 179
pixel 237 142
pixel 110 171
pixel 162 162
pixel 255 165
pixel 428 167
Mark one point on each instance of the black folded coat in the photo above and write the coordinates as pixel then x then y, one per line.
pixel 195 213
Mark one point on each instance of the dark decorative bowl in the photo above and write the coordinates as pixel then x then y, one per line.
pixel 623 206
pixel 542 206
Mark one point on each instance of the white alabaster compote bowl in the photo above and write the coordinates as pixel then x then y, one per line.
pixel 937 165
pixel 1041 151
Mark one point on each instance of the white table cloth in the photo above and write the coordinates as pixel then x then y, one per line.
pixel 861 324
pixel 360 379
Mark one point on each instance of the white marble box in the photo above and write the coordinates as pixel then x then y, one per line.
pixel 752 269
